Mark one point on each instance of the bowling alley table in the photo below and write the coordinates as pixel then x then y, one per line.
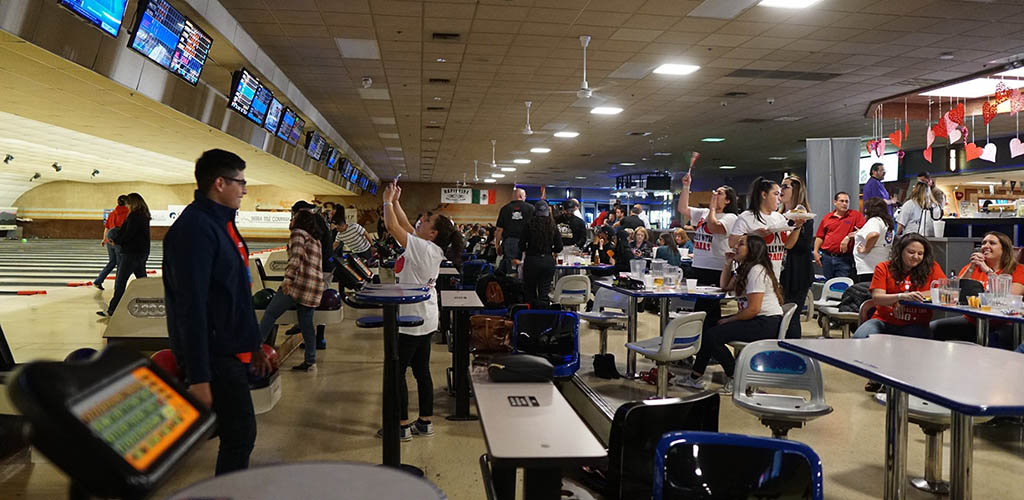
pixel 970 380
pixel 461 302
pixel 997 313
pixel 662 294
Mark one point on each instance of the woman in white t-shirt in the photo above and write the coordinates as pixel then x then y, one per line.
pixel 761 219
pixel 871 243
pixel 760 310
pixel 710 239
pixel 427 245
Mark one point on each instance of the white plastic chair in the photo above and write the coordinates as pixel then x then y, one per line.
pixel 832 292
pixel 572 290
pixel 603 319
pixel 788 311
pixel 680 340
pixel 764 365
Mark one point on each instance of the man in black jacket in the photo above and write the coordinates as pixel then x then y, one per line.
pixel 210 318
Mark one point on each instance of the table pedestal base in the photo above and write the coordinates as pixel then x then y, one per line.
pixel 631 373
pixel 961 462
pixel 896 408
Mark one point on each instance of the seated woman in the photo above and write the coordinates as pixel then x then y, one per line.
pixel 602 245
pixel 907 275
pixel 641 245
pixel 996 256
pixel 667 250
pixel 760 310
pixel 682 240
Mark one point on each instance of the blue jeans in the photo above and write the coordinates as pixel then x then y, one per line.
pixel 113 256
pixel 837 266
pixel 278 305
pixel 129 264
pixel 510 250
pixel 873 326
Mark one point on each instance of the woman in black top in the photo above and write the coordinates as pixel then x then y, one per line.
pixel 602 245
pixel 134 243
pixel 540 241
pixel 798 265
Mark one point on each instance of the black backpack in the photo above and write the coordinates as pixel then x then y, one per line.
pixel 854 296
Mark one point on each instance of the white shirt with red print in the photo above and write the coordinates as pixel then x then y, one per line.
pixel 709 249
pixel 420 264
pixel 746 223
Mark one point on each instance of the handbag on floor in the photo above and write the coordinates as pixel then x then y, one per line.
pixel 490 334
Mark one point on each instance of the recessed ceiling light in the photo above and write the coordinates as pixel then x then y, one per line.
pixel 627 164
pixel 973 88
pixel 789 118
pixel 521 161
pixel 580 177
pixel 437 98
pixel 661 153
pixel 605 110
pixel 568 135
pixel 676 69
pixel 508 169
pixel 946 56
pixel 498 176
pixel 727 167
pixel 441 60
pixel 540 150
pixel 713 139
pixel 982 183
pixel 490 181
pixel 776 158
pixel 788 4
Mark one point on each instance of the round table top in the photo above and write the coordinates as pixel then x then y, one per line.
pixel 391 294
pixel 336 480
pixel 397 286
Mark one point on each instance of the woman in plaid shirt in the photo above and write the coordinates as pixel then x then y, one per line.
pixel 303 284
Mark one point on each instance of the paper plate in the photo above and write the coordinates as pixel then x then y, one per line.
pixel 798 216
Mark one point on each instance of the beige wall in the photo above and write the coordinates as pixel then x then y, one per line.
pixel 419 197
pixel 89 196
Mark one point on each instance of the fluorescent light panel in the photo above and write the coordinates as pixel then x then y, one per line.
pixel 605 110
pixel 713 139
pixel 676 69
pixel 540 150
pixel 508 169
pixel 498 176
pixel 788 4
pixel 566 134
pixel 490 181
pixel 521 161
pixel 727 167
pixel 973 88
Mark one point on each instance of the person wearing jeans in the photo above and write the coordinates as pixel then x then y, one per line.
pixel 111 228
pixel 278 305
pixel 833 243
pixel 134 242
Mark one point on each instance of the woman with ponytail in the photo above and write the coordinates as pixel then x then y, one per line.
pixel 430 242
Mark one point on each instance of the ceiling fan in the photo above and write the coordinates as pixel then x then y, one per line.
pixel 528 130
pixel 585 91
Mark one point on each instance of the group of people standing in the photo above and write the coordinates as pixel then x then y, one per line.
pixel 126 237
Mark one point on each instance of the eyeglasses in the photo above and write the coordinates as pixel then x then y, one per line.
pixel 240 181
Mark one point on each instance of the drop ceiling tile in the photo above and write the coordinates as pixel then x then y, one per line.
pixel 636 35
pixel 598 18
pixel 501 12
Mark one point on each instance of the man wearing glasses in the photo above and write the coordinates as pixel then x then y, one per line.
pixel 210 318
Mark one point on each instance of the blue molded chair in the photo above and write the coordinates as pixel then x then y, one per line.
pixel 378 321
pixel 705 465
pixel 553 335
pixel 472 270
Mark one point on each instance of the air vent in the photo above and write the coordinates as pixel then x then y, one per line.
pixel 735 94
pixel 782 75
pixel 439 81
pixel 642 134
pixel 436 108
pixel 753 120
pixel 919 82
pixel 433 126
pixel 587 154
pixel 454 37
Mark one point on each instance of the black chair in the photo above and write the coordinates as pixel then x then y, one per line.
pixel 636 430
pixel 970 288
pixel 706 465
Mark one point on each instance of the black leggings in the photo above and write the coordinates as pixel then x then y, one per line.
pixel 414 350
pixel 798 297
pixel 538 271
pixel 713 308
pixel 714 341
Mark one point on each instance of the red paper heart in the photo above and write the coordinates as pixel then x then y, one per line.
pixel 928 154
pixel 906 129
pixel 973 151
pixel 956 115
pixel 1002 93
pixel 939 129
pixel 988 111
pixel 1016 101
pixel 896 138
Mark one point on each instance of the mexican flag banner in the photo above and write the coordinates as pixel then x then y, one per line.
pixel 484 197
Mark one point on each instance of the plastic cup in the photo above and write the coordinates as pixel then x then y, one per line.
pixel 940 228
pixel 648 281
pixel 691 285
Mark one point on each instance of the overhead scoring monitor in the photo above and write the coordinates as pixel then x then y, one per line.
pixel 104 14
pixel 315 144
pixel 273 115
pixel 297 129
pixel 170 39
pixel 284 129
pixel 249 97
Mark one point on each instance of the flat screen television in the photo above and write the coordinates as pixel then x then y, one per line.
pixel 354 176
pixel 104 14
pixel 364 182
pixel 658 183
pixel 260 105
pixel 332 159
pixel 891 162
pixel 315 145
pixel 273 115
pixel 284 129
pixel 297 129
pixel 373 188
pixel 346 169
pixel 168 38
pixel 244 86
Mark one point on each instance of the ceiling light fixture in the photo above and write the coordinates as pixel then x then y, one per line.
pixel 437 98
pixel 498 176
pixel 490 181
pixel 627 164
pixel 973 88
pixel 777 158
pixel 521 161
pixel 540 150
pixel 567 135
pixel 441 60
pixel 713 139
pixel 94 173
pixel 727 167
pixel 662 153
pixel 676 69
pixel 945 56
pixel 605 110
pixel 508 169
pixel 788 4
pixel 580 177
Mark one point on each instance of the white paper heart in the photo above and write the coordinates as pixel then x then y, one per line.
pixel 931 137
pixel 1016 148
pixel 989 154
pixel 954 133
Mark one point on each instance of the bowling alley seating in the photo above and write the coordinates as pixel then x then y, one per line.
pixel 604 319
pixel 718 465
pixel 831 295
pixel 680 340
pixel 553 335
pixel 377 321
pixel 763 366
pixel 788 311
pixel 572 291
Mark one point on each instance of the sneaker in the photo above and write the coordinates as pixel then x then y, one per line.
pixel 404 434
pixel 293 330
pixel 104 314
pixel 422 428
pixel 873 386
pixel 693 383
pixel 727 387
pixel 99 286
pixel 304 367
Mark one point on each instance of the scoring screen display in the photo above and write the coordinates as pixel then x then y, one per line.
pixel 168 38
pixel 297 128
pixel 315 146
pixel 139 416
pixel 244 92
pixel 104 14
pixel 284 130
pixel 273 115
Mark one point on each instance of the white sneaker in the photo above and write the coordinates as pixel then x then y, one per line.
pixel 693 383
pixel 727 387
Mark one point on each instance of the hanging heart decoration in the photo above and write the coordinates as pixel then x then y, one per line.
pixel 954 135
pixel 972 151
pixel 951 126
pixel 1016 101
pixel 876 147
pixel 901 154
pixel 896 138
pixel 1016 148
pixel 906 128
pixel 930 134
pixel 928 154
pixel 939 130
pixel 988 153
pixel 1002 93
pixel 988 111
pixel 956 115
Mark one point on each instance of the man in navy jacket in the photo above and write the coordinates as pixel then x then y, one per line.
pixel 210 318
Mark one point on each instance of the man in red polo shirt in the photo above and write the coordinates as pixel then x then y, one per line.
pixel 833 244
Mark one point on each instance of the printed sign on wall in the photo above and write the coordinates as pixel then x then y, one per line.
pixel 466 195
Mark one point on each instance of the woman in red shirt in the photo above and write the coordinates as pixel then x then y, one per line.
pixel 996 256
pixel 907 275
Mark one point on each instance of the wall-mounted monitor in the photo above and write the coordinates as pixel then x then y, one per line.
pixel 333 158
pixel 346 169
pixel 297 129
pixel 658 183
pixel 168 38
pixel 373 188
pixel 244 86
pixel 104 14
pixel 354 175
pixel 260 105
pixel 273 115
pixel 284 129
pixel 315 144
pixel 891 162
pixel 364 181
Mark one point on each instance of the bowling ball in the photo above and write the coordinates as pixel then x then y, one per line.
pixel 262 298
pixel 165 359
pixel 83 354
pixel 24 240
pixel 331 299
pixel 271 355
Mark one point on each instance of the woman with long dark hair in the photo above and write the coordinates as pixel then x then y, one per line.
pixel 759 298
pixel 134 243
pixel 710 239
pixel 798 265
pixel 539 242
pixel 872 242
pixel 667 250
pixel 303 284
pixel 762 219
pixel 907 275
pixel 433 239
